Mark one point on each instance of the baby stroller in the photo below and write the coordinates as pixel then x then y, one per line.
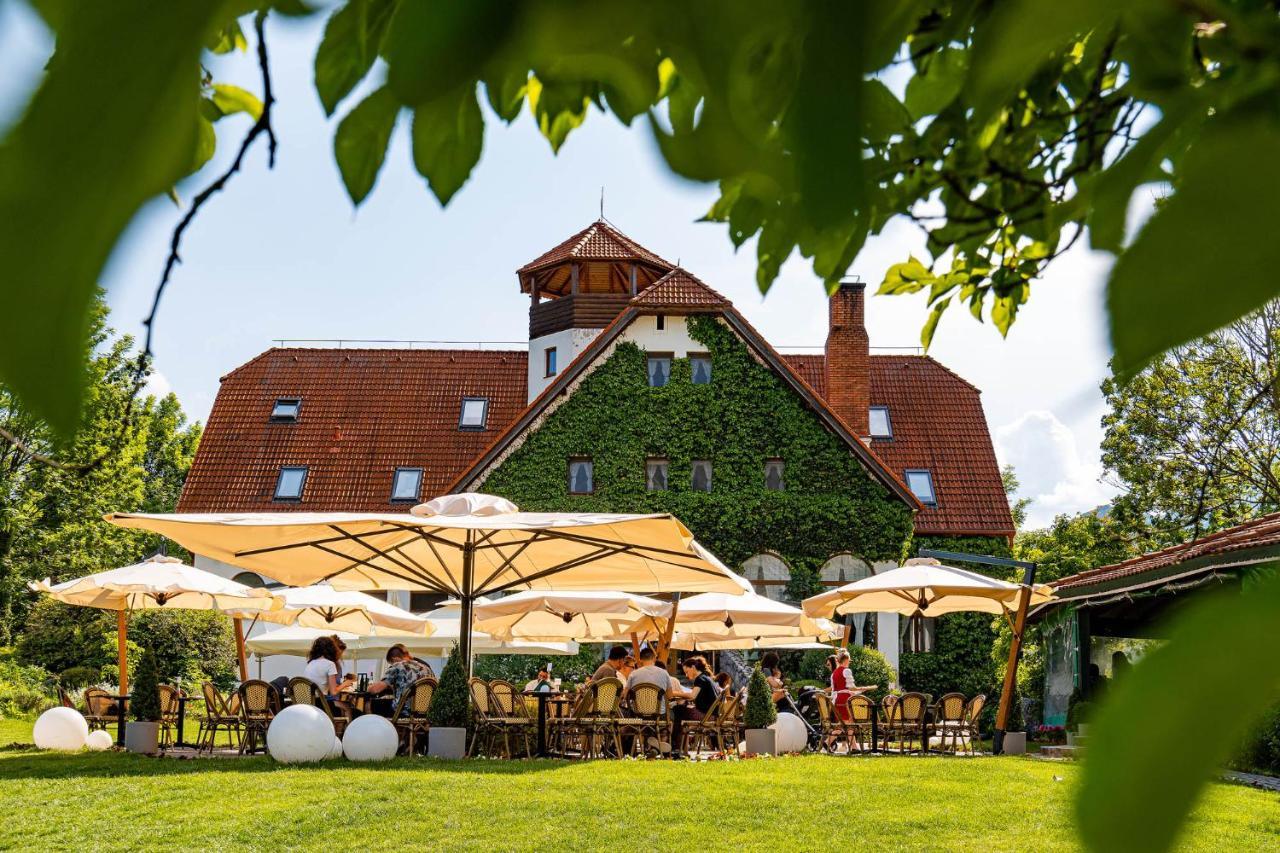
pixel 806 708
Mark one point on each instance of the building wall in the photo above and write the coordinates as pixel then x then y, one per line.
pixel 568 344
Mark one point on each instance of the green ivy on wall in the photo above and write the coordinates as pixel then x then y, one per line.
pixel 743 417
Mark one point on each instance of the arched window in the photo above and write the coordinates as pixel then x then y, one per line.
pixel 846 568
pixel 769 574
pixel 249 579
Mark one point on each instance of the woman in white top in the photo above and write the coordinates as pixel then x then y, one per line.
pixel 322 665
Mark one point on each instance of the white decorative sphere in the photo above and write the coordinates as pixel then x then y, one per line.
pixel 300 733
pixel 370 738
pixel 99 741
pixel 792 735
pixel 63 729
pixel 336 751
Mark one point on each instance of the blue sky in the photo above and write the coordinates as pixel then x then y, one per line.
pixel 282 254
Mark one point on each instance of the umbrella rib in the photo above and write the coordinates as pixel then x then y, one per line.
pixel 430 540
pixel 508 562
pixel 557 569
pixel 318 542
pixel 380 552
pixel 592 540
pixel 420 570
pixel 346 569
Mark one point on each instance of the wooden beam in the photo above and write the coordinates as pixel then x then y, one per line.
pixel 633 279
pixel 240 655
pixel 122 649
pixel 1011 669
pixel 573 279
pixel 664 642
pixel 635 645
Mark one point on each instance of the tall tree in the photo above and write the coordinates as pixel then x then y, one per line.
pixel 1075 543
pixel 1017 506
pixel 1194 439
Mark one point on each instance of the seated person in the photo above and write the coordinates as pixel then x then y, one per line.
pixel 725 682
pixel 703 692
pixel 322 666
pixel 773 675
pixel 649 672
pixel 542 682
pixel 629 665
pixel 348 683
pixel 403 670
pixel 674 687
pixel 610 668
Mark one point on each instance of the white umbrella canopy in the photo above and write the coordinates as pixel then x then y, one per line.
pixel 321 606
pixel 160 582
pixel 599 616
pixel 715 616
pixel 297 640
pixel 927 587
pixel 464 545
pixel 687 643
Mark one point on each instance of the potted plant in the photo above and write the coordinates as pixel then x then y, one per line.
pixel 759 714
pixel 450 711
pixel 142 733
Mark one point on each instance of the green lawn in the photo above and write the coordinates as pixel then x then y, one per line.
pixel 117 801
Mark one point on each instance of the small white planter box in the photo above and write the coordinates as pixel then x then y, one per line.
pixel 142 737
pixel 1015 743
pixel 447 742
pixel 762 741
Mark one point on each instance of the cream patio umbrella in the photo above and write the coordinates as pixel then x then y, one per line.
pixel 687 643
pixel 713 616
pixel 321 606
pixel 599 616
pixel 464 545
pixel 924 586
pixel 297 640
pixel 161 582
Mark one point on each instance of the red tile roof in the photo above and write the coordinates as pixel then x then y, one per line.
pixel 599 241
pixel 679 289
pixel 1259 533
pixel 365 412
pixel 938 425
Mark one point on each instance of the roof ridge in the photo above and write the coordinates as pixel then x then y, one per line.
pixel 675 278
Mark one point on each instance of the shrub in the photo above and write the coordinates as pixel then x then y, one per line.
pixel 451 704
pixel 78 677
pixel 145 690
pixel 24 690
pixel 760 712
pixel 189 644
pixel 520 668
pixel 1261 752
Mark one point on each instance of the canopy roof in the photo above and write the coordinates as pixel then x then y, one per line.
pixel 296 640
pixel 465 545
pixel 157 582
pixel 923 586
pixel 586 616
pixel 321 606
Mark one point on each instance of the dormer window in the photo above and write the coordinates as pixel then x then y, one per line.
pixel 880 424
pixel 290 482
pixel 700 368
pixel 659 370
pixel 921 485
pixel 474 414
pixel 406 484
pixel 286 409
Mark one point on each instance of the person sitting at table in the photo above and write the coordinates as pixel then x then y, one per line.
pixel 649 673
pixel 541 682
pixel 773 675
pixel 610 668
pixel 725 682
pixel 402 671
pixel 702 694
pixel 673 684
pixel 322 666
pixel 629 665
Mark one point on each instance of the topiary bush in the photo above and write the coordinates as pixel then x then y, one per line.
pixel 760 712
pixel 451 704
pixel 144 702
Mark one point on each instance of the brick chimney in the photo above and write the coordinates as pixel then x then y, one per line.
pixel 849 358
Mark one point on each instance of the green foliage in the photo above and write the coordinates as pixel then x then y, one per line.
pixel 60 637
pixel 193 645
pixel 24 690
pixel 360 145
pixel 519 669
pixel 1261 750
pixel 1195 437
pixel 1074 543
pixel 451 703
pixel 1017 506
pixel 760 712
pixel 868 666
pixel 144 691
pixel 1222 646
pixel 743 417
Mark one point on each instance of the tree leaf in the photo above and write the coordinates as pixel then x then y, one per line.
pixel 1209 254
pixel 1021 36
pixel 938 83
pixel 506 89
pixel 206 144
pixel 360 145
pixel 232 99
pixel 559 108
pixel 448 135
pixel 227 39
pixel 775 245
pixel 931 324
pixel 72 176
pixel 434 48
pixel 1176 717
pixel 350 44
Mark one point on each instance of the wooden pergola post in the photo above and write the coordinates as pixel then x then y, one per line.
pixel 635 645
pixel 664 639
pixel 240 655
pixel 1011 666
pixel 122 643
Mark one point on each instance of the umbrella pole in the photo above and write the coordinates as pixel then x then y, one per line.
pixel 122 642
pixel 240 657
pixel 1011 667
pixel 467 600
pixel 664 641
pixel 635 645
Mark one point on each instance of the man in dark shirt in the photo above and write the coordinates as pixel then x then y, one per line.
pixel 611 667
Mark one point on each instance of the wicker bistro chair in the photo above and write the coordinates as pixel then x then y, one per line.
pixel 99 708
pixel 410 717
pixel 594 720
pixel 486 726
pixel 696 734
pixel 511 717
pixel 833 727
pixel 64 698
pixel 567 729
pixel 972 716
pixel 907 722
pixel 168 714
pixel 304 691
pixel 646 716
pixel 861 713
pixel 218 717
pixel 732 729
pixel 258 702
pixel 948 724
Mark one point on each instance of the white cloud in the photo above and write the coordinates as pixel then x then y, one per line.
pixel 1051 470
pixel 157 385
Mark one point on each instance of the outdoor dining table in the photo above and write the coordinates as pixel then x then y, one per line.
pixel 120 712
pixel 183 699
pixel 545 697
